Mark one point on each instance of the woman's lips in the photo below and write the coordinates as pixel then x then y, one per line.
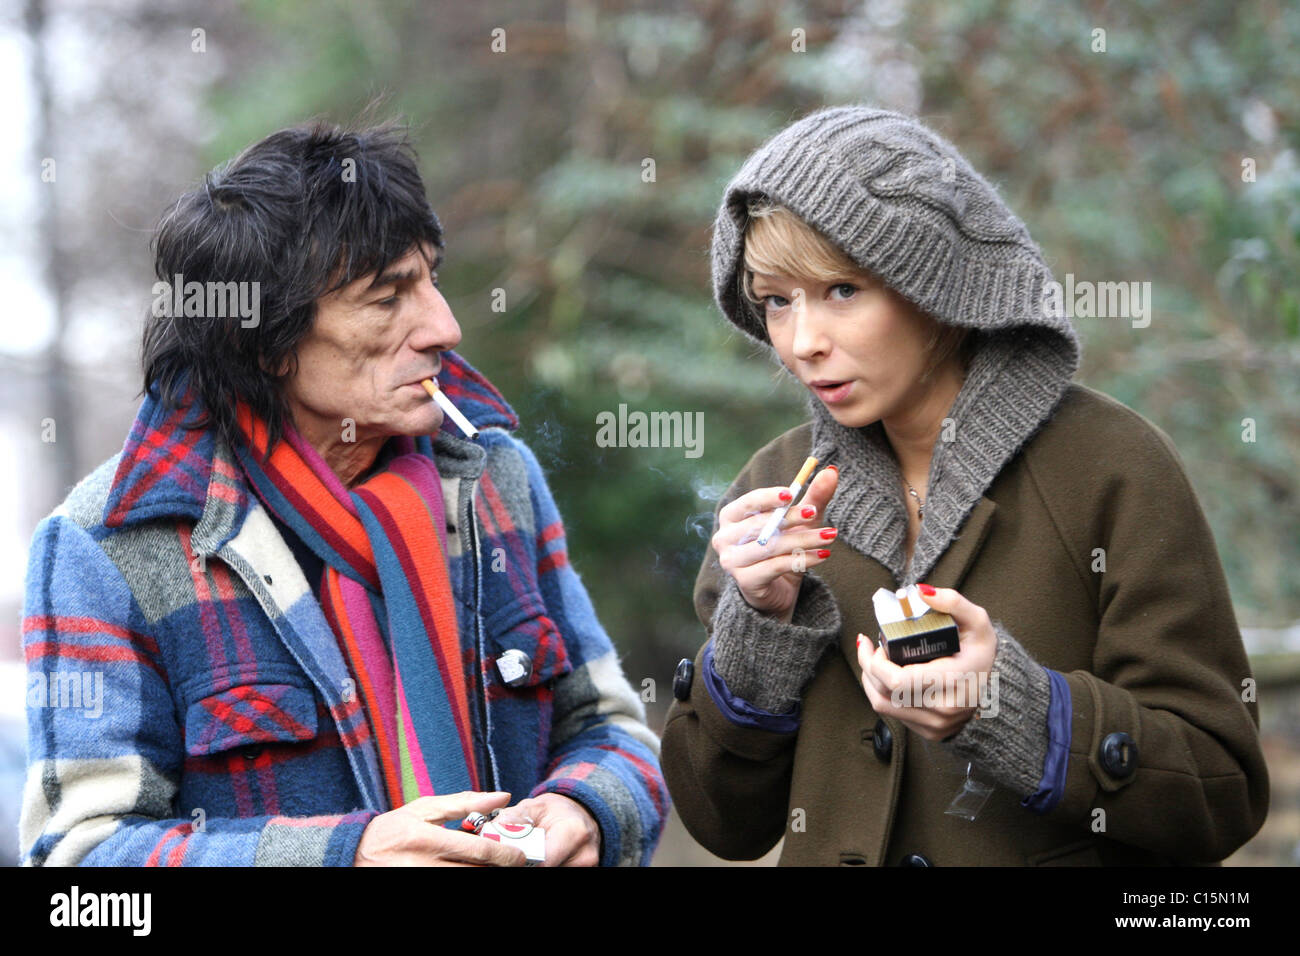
pixel 833 393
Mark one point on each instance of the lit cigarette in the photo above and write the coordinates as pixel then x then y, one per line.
pixel 779 514
pixel 448 408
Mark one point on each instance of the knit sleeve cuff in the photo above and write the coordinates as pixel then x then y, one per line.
pixel 1008 736
pixel 765 661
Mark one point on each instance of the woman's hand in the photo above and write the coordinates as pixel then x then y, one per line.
pixel 769 576
pixel 936 698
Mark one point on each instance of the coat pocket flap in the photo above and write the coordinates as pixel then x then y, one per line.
pixel 523 625
pixel 249 714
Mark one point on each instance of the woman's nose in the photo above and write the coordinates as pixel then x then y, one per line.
pixel 809 334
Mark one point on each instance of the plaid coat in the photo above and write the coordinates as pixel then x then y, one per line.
pixel 188 703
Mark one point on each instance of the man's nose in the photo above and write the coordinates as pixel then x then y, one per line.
pixel 436 325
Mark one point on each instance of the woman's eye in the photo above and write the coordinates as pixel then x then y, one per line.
pixel 848 288
pixel 775 302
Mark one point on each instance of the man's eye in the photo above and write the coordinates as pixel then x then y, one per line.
pixel 388 303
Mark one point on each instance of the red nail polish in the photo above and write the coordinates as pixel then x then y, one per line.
pixel 828 533
pixel 808 512
pixel 926 590
pixel 859 640
pixel 823 553
pixel 785 496
pixel 834 469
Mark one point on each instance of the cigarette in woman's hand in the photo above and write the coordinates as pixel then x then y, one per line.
pixel 796 486
pixel 450 410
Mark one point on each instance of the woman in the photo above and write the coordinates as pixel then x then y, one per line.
pixel 1056 526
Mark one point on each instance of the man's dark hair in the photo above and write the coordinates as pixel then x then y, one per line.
pixel 303 212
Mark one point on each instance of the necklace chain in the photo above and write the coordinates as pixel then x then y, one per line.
pixel 920 505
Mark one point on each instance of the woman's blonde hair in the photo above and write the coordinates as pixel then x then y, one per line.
pixel 777 242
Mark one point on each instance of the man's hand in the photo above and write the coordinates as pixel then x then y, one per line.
pixel 413 835
pixel 572 834
pixel 936 697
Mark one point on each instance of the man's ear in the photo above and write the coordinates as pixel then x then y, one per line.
pixel 283 370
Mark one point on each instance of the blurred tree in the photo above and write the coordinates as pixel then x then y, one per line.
pixel 105 143
pixel 66 466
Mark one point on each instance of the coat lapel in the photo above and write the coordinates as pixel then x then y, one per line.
pixel 857 574
pixel 950 571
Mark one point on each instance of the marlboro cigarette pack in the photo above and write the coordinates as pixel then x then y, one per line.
pixel 911 632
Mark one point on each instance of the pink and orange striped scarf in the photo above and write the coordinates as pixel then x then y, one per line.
pixel 387 595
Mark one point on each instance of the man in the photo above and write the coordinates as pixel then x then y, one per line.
pixel 321 625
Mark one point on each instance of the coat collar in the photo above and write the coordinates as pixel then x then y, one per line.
pixel 173 467
pixel 1014 383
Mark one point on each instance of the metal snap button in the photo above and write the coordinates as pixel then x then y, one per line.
pixel 515 667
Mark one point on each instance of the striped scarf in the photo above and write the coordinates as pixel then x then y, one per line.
pixel 386 594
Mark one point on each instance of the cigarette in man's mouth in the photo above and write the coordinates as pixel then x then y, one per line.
pixel 796 486
pixel 448 409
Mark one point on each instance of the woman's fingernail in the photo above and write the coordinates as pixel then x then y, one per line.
pixel 828 533
pixel 808 512
pixel 823 553
pixel 834 469
pixel 926 590
pixel 785 496
pixel 859 640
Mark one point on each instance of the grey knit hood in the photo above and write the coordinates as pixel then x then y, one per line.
pixel 907 207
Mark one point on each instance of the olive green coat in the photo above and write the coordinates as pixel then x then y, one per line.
pixel 1150 647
